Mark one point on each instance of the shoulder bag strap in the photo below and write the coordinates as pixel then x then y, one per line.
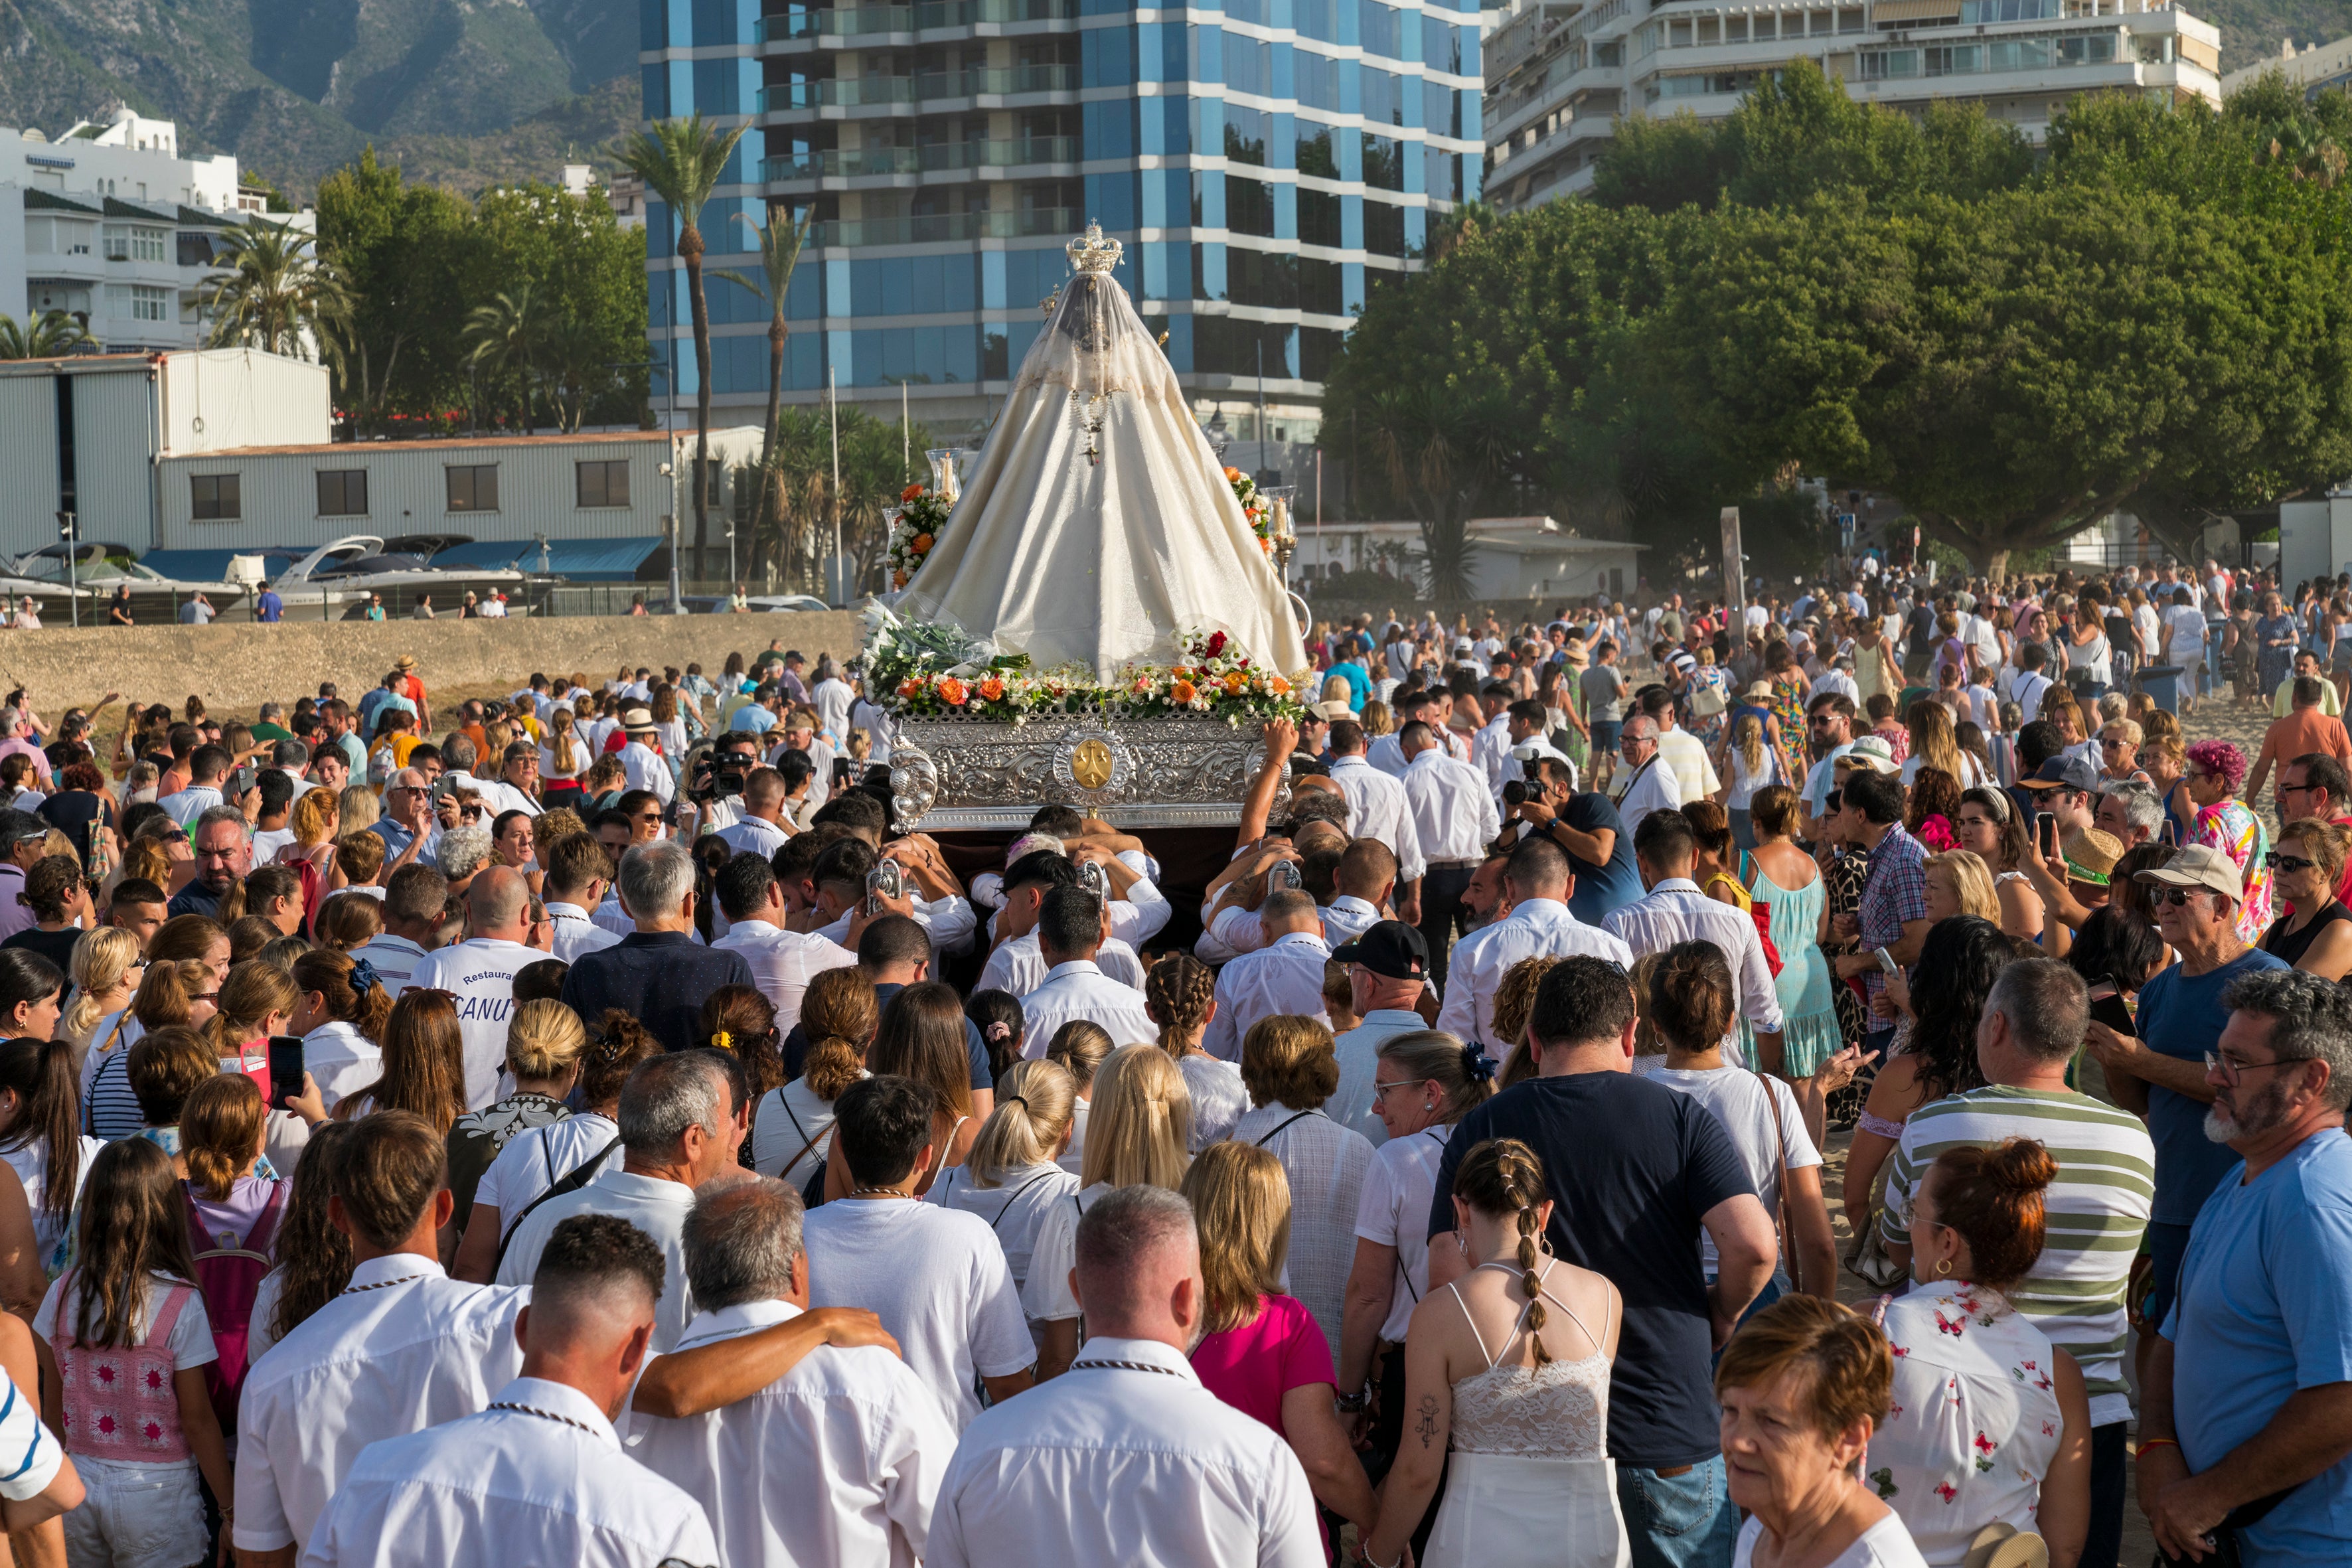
pixel 1781 1182
pixel 808 1138
pixel 571 1181
pixel 1041 1176
pixel 1300 1116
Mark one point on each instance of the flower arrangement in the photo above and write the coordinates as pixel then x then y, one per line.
pixel 1255 508
pixel 922 514
pixel 924 671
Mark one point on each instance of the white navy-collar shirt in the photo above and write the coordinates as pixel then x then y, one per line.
pixel 654 1206
pixel 1284 977
pixel 1345 918
pixel 1538 928
pixel 1079 989
pixel 339 1059
pixel 1377 809
pixel 405 1347
pixel 1018 966
pixel 394 958
pixel 1139 917
pixel 1453 810
pixel 783 963
pixel 1676 911
pixel 755 834
pixel 1103 1465
pixel 574 932
pixel 545 1484
pixel 949 922
pixel 837 1461
pixel 1387 751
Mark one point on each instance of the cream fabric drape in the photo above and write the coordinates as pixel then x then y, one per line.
pixel 1102 560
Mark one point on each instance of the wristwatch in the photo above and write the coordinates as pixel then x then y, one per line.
pixel 1355 1404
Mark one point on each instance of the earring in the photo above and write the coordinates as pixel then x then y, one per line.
pixel 1943 1268
pixel 1429 1106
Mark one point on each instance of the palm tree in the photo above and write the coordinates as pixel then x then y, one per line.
pixel 576 358
pixel 277 294
pixel 44 336
pixel 680 161
pixel 503 338
pixel 780 253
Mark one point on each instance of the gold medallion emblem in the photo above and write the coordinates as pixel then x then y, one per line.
pixel 1091 764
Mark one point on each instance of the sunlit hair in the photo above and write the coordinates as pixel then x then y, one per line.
pixel 1241 1209
pixel 1139 1121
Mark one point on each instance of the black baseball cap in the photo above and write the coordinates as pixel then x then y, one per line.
pixel 1390 948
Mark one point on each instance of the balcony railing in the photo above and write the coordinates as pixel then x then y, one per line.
pixel 852 92
pixel 850 21
pixel 932 229
pixel 946 157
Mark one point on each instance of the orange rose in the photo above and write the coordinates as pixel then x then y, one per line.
pixel 1232 475
pixel 897 579
pixel 1234 682
pixel 910 688
pixel 1276 685
pixel 992 688
pixel 1181 691
pixel 952 691
pixel 911 492
pixel 922 544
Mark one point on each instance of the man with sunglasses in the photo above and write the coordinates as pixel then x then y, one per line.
pixel 2316 784
pixel 1829 735
pixel 2159 1070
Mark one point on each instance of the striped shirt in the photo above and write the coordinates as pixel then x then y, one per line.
pixel 2096 1212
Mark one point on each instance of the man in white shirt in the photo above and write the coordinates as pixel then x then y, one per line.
pixel 480 972
pixel 644 767
pixel 1666 848
pixel 413 898
pixel 1128 1429
pixel 783 961
pixel 1536 883
pixel 1018 966
pixel 1682 751
pixel 760 829
pixel 1283 976
pixel 1650 783
pixel 403 1348
pixel 1387 968
pixel 936 1276
pixel 682 1118
pixel 1376 807
pixel 539 1476
pixel 831 697
pixel 1069 933
pixel 207 769
pixel 840 1459
pixel 579 870
pixel 1456 815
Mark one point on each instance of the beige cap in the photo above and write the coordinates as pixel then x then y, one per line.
pixel 2199 866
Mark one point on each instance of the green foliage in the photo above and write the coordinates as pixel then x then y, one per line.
pixel 40 337
pixel 798 528
pixel 2158 317
pixel 279 294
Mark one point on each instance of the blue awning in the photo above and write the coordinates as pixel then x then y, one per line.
pixel 580 560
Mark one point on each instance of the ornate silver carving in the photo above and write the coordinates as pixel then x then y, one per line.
pixel 1174 771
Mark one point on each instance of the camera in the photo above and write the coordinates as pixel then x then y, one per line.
pixel 1516 792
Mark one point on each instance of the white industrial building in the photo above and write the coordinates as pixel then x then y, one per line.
pixel 1559 73
pixel 225 451
pixel 2310 70
pixel 110 224
pixel 1510 557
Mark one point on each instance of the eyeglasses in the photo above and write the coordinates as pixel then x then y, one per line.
pixel 1380 1089
pixel 649 817
pixel 2286 788
pixel 2281 862
pixel 2232 1067
pixel 2177 897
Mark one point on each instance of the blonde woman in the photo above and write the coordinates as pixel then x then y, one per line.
pixel 106 968
pixel 1290 1070
pixel 1142 1118
pixel 544 1039
pixel 1934 745
pixel 563 757
pixel 1263 1354
pixel 1960 883
pixel 1010 1179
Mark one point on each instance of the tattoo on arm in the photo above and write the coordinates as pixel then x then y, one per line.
pixel 1425 1425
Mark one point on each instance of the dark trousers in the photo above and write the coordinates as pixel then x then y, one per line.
pixel 2110 1461
pixel 1441 913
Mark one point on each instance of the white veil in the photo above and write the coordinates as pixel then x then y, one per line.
pixel 1098 524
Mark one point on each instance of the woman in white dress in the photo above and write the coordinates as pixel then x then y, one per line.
pixel 1991 1423
pixel 1803 1384
pixel 1518 1390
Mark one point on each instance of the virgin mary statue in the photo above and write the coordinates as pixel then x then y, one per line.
pixel 1097 525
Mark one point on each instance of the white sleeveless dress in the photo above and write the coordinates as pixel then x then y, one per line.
pixel 1531 1483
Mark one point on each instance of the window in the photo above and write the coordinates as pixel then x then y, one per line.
pixel 342 492
pixel 1249 207
pixel 1318 218
pixel 1383 228
pixel 214 496
pixel 127 244
pixel 1383 31
pixel 474 488
pixel 1314 155
pixel 1383 163
pixel 603 484
pixel 1973 12
pixel 136 302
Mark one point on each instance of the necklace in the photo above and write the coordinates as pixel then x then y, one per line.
pixel 1129 1366
pixel 379 1285
pixel 544 1415
pixel 875 1193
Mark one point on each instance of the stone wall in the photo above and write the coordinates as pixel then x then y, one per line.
pixel 237 666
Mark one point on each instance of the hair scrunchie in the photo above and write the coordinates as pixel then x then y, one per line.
pixel 1477 1064
pixel 364 978
pixel 722 1041
pixel 997 1031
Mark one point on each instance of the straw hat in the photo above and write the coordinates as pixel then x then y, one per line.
pixel 2090 856
pixel 636 721
pixel 406 661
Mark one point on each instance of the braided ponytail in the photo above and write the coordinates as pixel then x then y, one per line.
pixel 1176 995
pixel 1504 1176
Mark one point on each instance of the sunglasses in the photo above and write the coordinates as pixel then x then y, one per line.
pixel 2278 862
pixel 2177 897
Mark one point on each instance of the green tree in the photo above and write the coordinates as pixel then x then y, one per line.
pixel 44 336
pixel 780 255
pixel 505 339
pixel 401 249
pixel 276 294
pixel 680 160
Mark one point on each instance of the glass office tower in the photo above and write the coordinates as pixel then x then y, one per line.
pixel 1265 165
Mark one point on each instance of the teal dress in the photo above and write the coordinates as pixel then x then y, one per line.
pixel 1810 1034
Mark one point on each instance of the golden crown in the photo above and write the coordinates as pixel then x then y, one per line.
pixel 1090 252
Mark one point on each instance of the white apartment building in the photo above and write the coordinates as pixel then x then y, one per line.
pixel 1560 73
pixel 2312 70
pixel 111 225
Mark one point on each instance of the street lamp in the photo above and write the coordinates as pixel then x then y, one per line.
pixel 73 580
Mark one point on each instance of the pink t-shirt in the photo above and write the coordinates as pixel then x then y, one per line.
pixel 1252 1367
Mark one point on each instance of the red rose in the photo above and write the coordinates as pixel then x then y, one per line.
pixel 1216 644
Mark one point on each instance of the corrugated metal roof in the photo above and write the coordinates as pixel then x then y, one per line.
pixel 580 560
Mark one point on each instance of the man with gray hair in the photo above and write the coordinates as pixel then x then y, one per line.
pixel 15 742
pixel 2247 1421
pixel 2098 1206
pixel 1126 1447
pixel 681 1118
pixel 854 1420
pixel 661 971
pixel 2131 810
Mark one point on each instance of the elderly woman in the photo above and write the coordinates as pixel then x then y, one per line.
pixel 1974 1380
pixel 2315 934
pixel 1958 883
pixel 1803 1385
pixel 2219 819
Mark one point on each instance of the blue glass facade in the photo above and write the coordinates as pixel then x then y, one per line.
pixel 1263 164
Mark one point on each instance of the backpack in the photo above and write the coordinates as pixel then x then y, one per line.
pixel 230 1278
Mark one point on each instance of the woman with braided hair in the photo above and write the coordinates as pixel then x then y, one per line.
pixel 1518 1391
pixel 1179 995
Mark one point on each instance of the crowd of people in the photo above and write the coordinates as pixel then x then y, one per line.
pixel 587 1125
